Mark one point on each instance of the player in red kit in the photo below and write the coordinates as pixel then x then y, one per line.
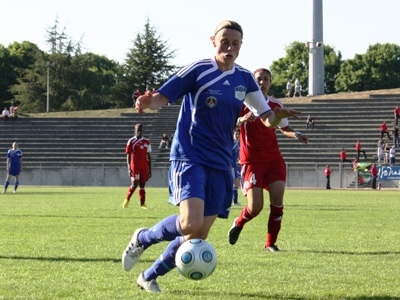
pixel 263 166
pixel 138 160
pixel 328 173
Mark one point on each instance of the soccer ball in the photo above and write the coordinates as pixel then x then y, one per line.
pixel 196 259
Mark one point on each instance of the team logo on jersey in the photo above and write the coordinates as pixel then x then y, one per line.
pixel 211 102
pixel 240 92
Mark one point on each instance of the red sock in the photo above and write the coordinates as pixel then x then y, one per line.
pixel 142 196
pixel 274 224
pixel 130 193
pixel 245 216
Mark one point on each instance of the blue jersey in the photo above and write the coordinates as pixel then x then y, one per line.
pixel 211 103
pixel 14 157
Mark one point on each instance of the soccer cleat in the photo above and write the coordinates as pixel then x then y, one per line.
pixel 4 191
pixel 126 203
pixel 273 248
pixel 150 286
pixel 234 233
pixel 237 204
pixel 143 207
pixel 133 251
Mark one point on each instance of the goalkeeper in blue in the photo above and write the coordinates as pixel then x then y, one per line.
pixel 213 92
pixel 14 166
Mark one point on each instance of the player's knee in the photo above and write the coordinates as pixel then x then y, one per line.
pixel 191 225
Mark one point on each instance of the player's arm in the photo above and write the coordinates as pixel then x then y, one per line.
pixel 289 132
pixel 128 160
pixel 149 163
pixel 272 119
pixel 7 163
pixel 20 164
pixel 149 100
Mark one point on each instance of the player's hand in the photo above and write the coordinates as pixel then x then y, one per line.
pixel 249 117
pixel 143 102
pixel 282 113
pixel 149 174
pixel 303 139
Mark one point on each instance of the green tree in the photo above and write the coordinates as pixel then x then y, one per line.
pixel 296 65
pixel 147 64
pixel 378 68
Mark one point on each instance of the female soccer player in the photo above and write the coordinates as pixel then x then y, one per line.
pixel 14 166
pixel 213 92
pixel 263 166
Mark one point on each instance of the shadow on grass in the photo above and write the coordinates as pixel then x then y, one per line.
pixel 347 252
pixel 263 295
pixel 79 217
pixel 70 259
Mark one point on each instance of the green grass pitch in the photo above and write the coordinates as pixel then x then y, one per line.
pixel 66 243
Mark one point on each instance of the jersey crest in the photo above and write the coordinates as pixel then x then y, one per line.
pixel 240 92
pixel 211 102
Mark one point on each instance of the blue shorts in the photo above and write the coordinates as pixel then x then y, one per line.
pixel 14 171
pixel 214 186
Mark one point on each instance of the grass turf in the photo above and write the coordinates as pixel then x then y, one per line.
pixel 66 243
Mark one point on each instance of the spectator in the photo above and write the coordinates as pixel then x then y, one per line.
pixel 135 95
pixel 395 134
pixel 328 173
pixel 171 137
pixel 381 144
pixel 396 114
pixel 374 175
pixel 289 88
pixel 297 88
pixel 383 127
pixel 392 155
pixel 164 141
pixel 379 153
pixel 343 157
pixel 387 149
pixel 359 150
pixel 138 160
pixel 310 122
pixel 13 111
pixel 354 164
pixel 5 114
pixel 14 166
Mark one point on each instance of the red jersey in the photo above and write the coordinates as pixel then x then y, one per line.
pixel 343 155
pixel 374 171
pixel 383 127
pixel 397 111
pixel 137 148
pixel 257 142
pixel 358 146
pixel 327 172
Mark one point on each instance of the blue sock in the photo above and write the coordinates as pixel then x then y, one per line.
pixel 165 230
pixel 235 195
pixel 166 261
pixel 16 185
pixel 6 185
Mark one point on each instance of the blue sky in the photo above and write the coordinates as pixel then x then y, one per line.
pixel 109 27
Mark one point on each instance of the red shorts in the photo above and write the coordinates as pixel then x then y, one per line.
pixel 262 174
pixel 140 175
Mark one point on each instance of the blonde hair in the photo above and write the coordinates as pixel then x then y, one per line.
pixel 228 24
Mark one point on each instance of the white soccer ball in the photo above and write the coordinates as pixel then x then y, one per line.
pixel 196 259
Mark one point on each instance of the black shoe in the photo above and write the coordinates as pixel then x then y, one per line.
pixel 273 248
pixel 234 233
